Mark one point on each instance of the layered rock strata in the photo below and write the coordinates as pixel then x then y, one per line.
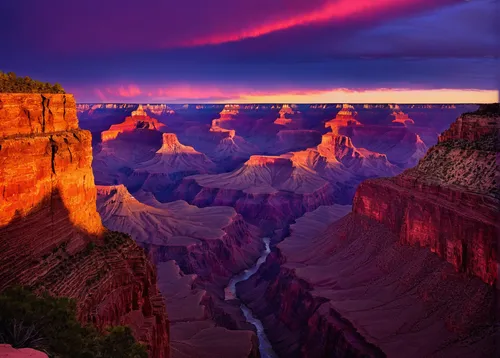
pixel 267 190
pixel 270 191
pixel 51 236
pixel 449 202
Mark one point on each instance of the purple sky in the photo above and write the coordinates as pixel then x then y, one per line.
pixel 224 50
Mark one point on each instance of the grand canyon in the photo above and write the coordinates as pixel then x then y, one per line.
pixel 249 179
pixel 309 232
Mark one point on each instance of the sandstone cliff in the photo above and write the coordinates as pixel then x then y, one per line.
pixel 51 236
pixel 449 202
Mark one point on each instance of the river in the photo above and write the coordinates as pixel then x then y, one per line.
pixel 265 347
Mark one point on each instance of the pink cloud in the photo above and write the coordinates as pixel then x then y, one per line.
pixel 129 91
pixel 99 93
pixel 329 11
pixel 199 22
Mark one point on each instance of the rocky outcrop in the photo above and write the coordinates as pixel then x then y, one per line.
pixel 288 117
pixel 172 162
pixel 197 251
pixel 358 161
pixel 229 112
pixel 138 122
pixel 401 118
pixel 401 146
pixel 229 146
pixel 449 202
pixel 347 116
pixel 474 126
pixel 51 236
pixel 125 146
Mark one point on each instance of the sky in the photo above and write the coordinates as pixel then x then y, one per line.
pixel 249 51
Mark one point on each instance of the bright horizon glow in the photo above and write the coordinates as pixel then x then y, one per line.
pixel 380 96
pixel 181 94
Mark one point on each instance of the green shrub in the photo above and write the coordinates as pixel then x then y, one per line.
pixel 10 83
pixel 47 323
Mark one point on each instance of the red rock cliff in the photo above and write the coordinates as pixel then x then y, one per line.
pixel 449 202
pixel 51 236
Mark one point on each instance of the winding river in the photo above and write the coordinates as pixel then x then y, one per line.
pixel 265 347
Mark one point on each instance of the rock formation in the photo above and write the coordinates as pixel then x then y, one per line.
pixel 452 190
pixel 359 161
pixel 51 236
pixel 267 190
pixel 138 121
pixel 172 162
pixel 401 146
pixel 345 117
pixel 229 112
pixel 229 145
pixel 197 251
pixel 273 190
pixel 288 117
pixel 99 117
pixel 125 145
pixel 400 117
pixel 220 132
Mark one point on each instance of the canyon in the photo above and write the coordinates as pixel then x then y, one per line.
pixel 258 230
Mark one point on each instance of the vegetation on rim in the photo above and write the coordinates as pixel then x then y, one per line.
pixel 49 324
pixel 10 83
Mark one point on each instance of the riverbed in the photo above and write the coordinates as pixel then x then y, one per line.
pixel 265 347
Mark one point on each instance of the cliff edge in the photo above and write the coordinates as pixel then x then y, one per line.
pixel 51 236
pixel 450 201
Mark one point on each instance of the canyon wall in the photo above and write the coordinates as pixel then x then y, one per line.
pixel 347 288
pixel 51 236
pixel 449 202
